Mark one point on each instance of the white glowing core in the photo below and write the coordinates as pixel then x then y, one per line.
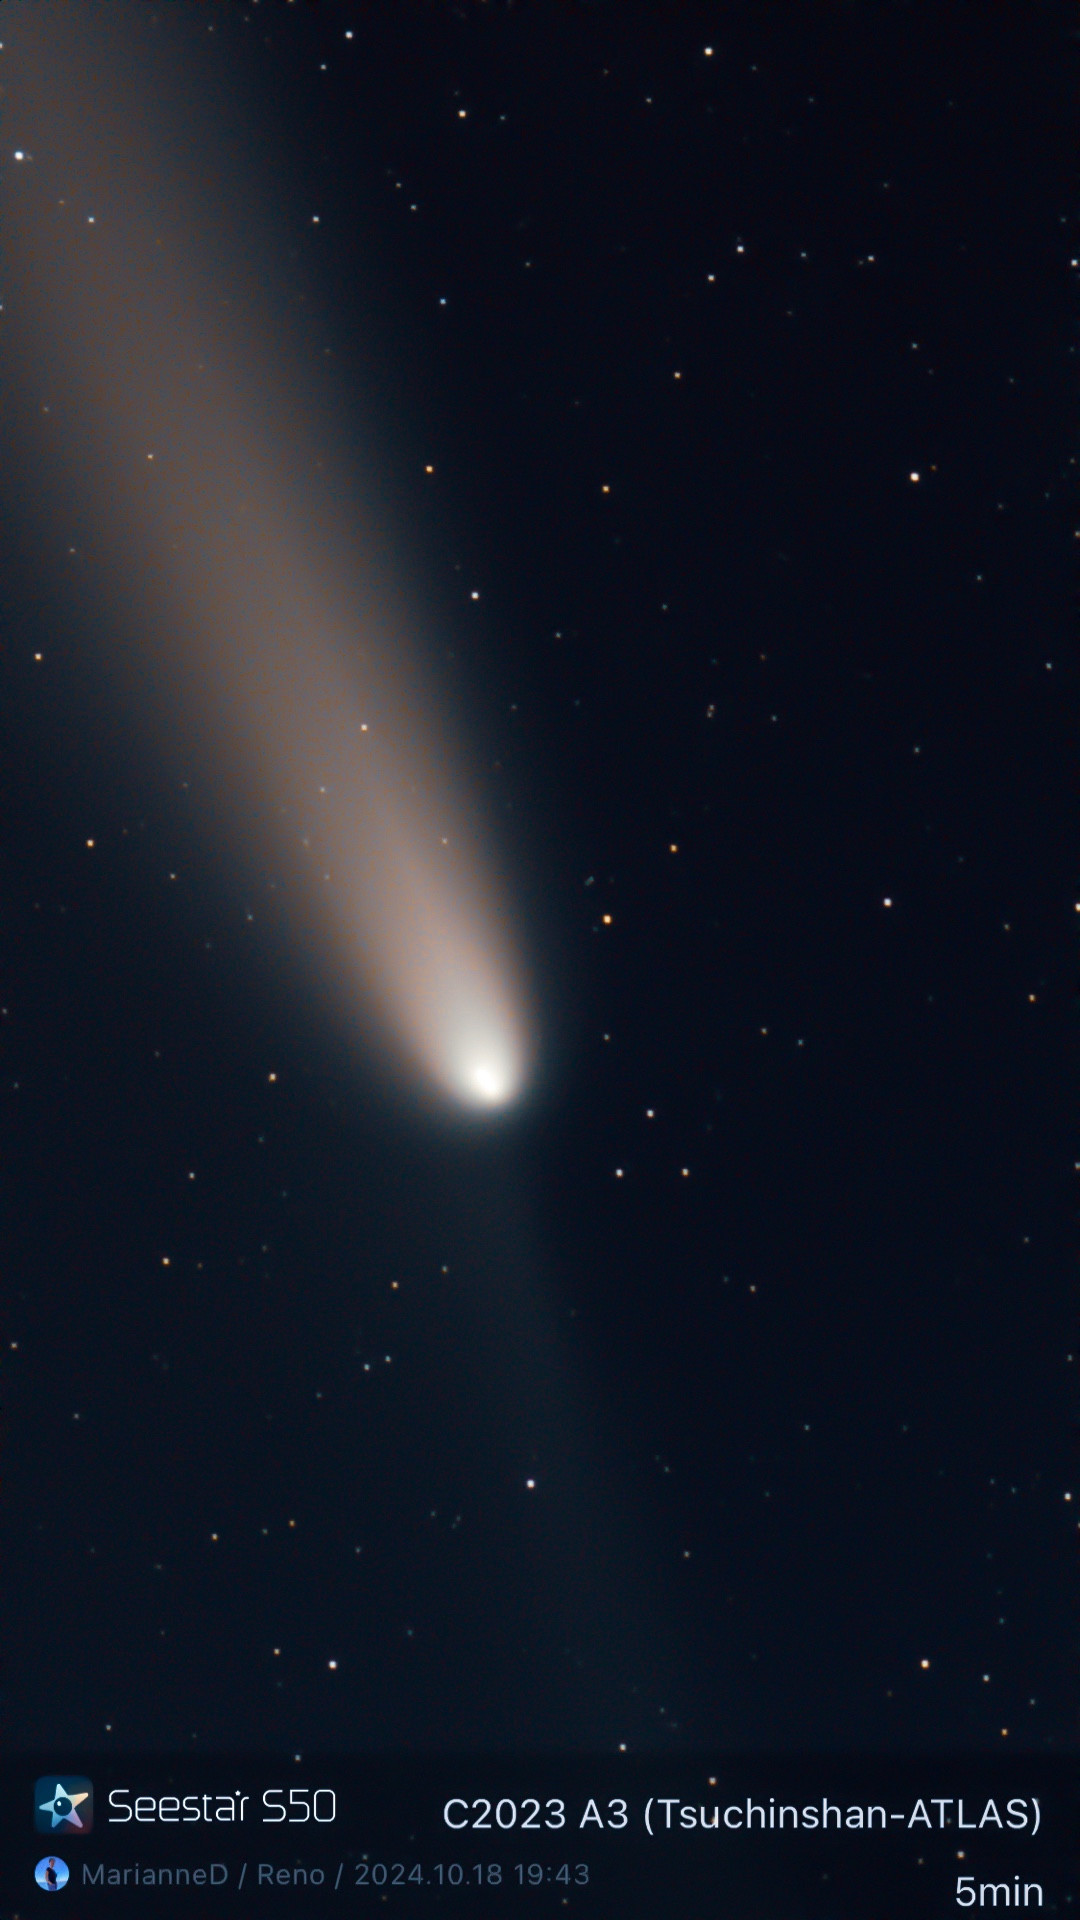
pixel 490 1082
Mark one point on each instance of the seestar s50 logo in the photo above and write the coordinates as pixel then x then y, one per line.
pixel 64 1805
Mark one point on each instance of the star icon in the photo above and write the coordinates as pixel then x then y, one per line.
pixel 62 1806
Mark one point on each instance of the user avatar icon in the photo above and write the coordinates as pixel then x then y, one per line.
pixel 51 1874
pixel 67 1803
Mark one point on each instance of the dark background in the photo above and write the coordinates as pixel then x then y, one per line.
pixel 799 1416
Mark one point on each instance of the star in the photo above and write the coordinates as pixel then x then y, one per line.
pixel 62 1806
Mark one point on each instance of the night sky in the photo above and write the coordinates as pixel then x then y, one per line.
pixel 699 378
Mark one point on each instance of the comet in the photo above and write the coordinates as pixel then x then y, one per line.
pixel 262 632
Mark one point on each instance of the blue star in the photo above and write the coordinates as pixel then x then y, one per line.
pixel 62 1806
